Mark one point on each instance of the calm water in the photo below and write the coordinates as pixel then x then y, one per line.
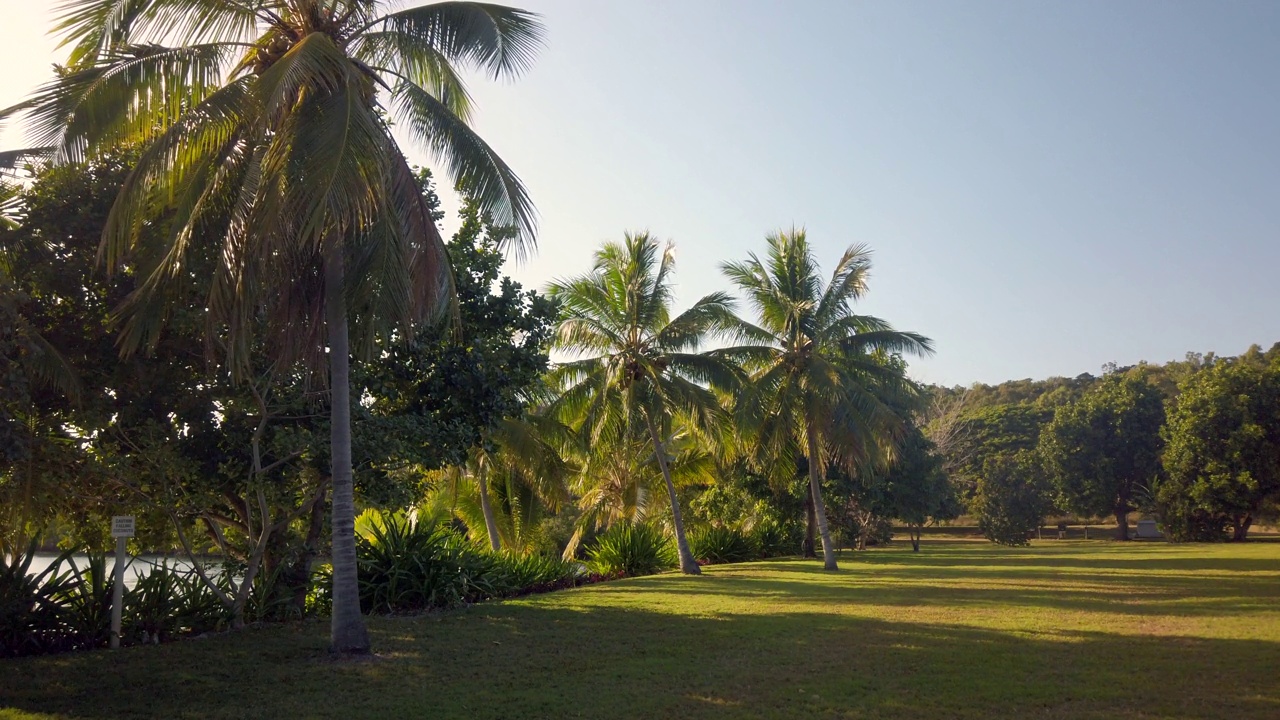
pixel 135 568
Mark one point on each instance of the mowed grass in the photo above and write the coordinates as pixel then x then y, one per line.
pixel 962 629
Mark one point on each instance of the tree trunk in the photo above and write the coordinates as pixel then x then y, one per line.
pixel 688 565
pixel 297 576
pixel 819 510
pixel 1122 524
pixel 347 630
pixel 915 533
pixel 810 528
pixel 1240 528
pixel 490 522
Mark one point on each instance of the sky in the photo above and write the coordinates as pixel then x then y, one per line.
pixel 1046 186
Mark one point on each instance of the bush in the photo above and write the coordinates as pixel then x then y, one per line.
pixel 717 545
pixel 411 567
pixel 524 574
pixel 31 610
pixel 631 550
pixel 776 539
pixel 168 602
pixel 61 610
pixel 86 602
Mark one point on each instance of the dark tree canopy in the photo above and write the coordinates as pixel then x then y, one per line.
pixel 175 425
pixel 1103 449
pixel 1223 455
pixel 1012 498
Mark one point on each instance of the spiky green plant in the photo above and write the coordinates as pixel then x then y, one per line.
pixel 715 545
pixel 631 549
pixel 266 143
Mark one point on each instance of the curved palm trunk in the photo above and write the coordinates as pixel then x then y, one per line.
pixel 688 565
pixel 490 522
pixel 820 510
pixel 808 546
pixel 347 630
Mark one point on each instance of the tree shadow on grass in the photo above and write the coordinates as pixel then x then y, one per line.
pixel 1138 593
pixel 533 660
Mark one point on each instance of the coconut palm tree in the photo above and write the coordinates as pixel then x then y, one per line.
pixel 265 132
pixel 521 458
pixel 620 479
pixel 814 381
pixel 638 367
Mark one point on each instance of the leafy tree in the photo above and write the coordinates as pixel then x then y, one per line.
pixel 1012 497
pixel 264 132
pixel 1104 449
pixel 175 441
pixel 918 489
pixel 1223 449
pixel 642 366
pixel 456 394
pixel 811 357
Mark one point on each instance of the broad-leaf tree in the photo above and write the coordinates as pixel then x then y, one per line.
pixel 813 360
pixel 1102 450
pixel 1012 497
pixel 638 368
pixel 1223 453
pixel 265 128
pixel 919 491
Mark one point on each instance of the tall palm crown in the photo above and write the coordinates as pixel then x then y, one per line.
pixel 641 365
pixel 816 381
pixel 266 145
pixel 266 126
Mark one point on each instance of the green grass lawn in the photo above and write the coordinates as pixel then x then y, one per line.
pixel 961 630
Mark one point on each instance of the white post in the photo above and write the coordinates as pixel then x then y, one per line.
pixel 117 592
pixel 121 530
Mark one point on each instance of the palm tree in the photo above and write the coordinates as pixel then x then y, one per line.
pixel 265 135
pixel 641 366
pixel 521 458
pixel 620 479
pixel 813 378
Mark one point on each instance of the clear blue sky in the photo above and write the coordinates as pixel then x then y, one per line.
pixel 1047 186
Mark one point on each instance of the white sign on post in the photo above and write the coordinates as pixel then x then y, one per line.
pixel 121 530
pixel 122 526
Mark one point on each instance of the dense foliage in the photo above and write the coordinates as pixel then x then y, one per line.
pixel 1103 450
pixel 713 545
pixel 1012 498
pixel 1223 456
pixel 408 566
pixel 630 549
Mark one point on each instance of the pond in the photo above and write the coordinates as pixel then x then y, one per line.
pixel 136 567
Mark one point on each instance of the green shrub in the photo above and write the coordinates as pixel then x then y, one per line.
pixel 627 549
pixel 522 574
pixel 86 602
pixel 411 567
pixel 167 602
pixel 407 567
pixel 320 593
pixel 718 545
pixel 776 539
pixel 31 611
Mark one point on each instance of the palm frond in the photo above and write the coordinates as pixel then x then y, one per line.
pixel 477 169
pixel 501 40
